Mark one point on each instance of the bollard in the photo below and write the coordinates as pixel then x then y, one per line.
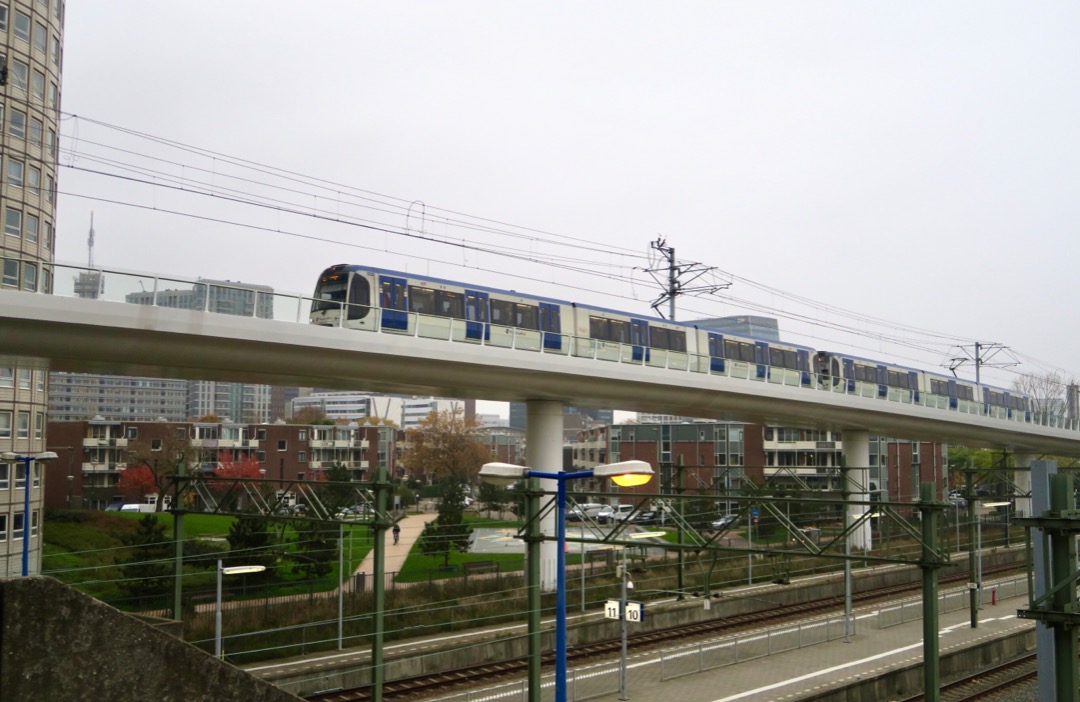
pixel 993 596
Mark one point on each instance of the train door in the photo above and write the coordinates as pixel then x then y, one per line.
pixel 953 404
pixel 716 352
pixel 394 304
pixel 761 357
pixel 849 374
pixel 913 383
pixel 804 366
pixel 639 337
pixel 551 326
pixel 476 316
pixel 882 382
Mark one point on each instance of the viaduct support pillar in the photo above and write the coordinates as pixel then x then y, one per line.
pixel 544 444
pixel 1022 480
pixel 857 483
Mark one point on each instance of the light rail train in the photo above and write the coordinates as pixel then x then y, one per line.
pixel 358 297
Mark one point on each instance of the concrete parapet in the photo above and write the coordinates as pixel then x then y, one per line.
pixel 59 644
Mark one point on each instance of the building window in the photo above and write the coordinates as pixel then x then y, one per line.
pixel 282 445
pixel 11 273
pixel 302 435
pixel 39 425
pixel 20 475
pixel 13 227
pixel 56 51
pixel 15 173
pixel 20 74
pixel 22 26
pixel 33 184
pixel 7 378
pixel 300 476
pixel 24 378
pixel 30 228
pixel 17 522
pixel 34 523
pixel 37 85
pixel 41 37
pixel 302 457
pixel 3 527
pixel 39 380
pixel 155 444
pixel 22 429
pixel 260 434
pixel 5 476
pixel 131 432
pixel 260 456
pixel 37 475
pixel 17 124
pixel 54 95
pixel 50 193
pixel 3 18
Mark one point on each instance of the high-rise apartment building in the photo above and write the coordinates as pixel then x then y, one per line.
pixel 31 54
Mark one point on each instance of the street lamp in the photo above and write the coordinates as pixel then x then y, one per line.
pixel 26 460
pixel 623 474
pixel 232 570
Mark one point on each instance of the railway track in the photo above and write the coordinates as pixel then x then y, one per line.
pixel 501 671
pixel 986 684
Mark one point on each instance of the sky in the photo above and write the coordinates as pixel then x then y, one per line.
pixel 897 180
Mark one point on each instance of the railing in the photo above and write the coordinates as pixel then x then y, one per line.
pixel 207 296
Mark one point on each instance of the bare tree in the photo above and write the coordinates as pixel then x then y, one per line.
pixel 1047 391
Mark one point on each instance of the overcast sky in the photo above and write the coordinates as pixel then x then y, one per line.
pixel 914 162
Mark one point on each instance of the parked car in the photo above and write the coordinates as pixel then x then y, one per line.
pixel 726 521
pixel 648 516
pixel 583 511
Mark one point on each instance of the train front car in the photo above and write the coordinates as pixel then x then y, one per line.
pixel 343 298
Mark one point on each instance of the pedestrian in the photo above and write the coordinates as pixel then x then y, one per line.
pixel 397 533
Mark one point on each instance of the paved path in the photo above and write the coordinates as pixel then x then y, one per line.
pixel 395 554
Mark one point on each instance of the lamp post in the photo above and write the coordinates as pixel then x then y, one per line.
pixel 624 474
pixel 26 460
pixel 232 570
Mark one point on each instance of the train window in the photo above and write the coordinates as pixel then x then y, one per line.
pixel 549 319
pixel 421 300
pixel 502 312
pixel 331 292
pixel 939 387
pixel 605 329
pixel 526 316
pixel 716 346
pixel 865 373
pixel 739 350
pixel 899 379
pixel 671 339
pixel 449 304
pixel 776 357
pixel 359 298
pixel 791 360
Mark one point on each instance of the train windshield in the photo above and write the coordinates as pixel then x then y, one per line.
pixel 331 293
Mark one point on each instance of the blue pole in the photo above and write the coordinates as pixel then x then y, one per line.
pixel 560 594
pixel 26 515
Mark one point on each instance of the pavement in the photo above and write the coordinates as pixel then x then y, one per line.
pixel 395 554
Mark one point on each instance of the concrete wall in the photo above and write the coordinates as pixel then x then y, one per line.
pixel 58 644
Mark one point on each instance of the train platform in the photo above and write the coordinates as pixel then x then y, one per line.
pixel 808 673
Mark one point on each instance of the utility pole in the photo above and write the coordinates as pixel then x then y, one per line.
pixel 980 354
pixel 672 284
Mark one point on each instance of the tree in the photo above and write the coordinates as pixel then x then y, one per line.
pixel 136 483
pixel 235 467
pixel 310 415
pixel 446 445
pixel 148 568
pixel 1048 391
pixel 494 498
pixel 449 448
pixel 315 548
pixel 250 541
pixel 162 458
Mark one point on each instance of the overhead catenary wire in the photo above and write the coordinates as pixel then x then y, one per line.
pixel 242 191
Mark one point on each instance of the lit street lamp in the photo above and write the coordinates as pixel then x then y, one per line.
pixel 623 474
pixel 232 570
pixel 26 460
